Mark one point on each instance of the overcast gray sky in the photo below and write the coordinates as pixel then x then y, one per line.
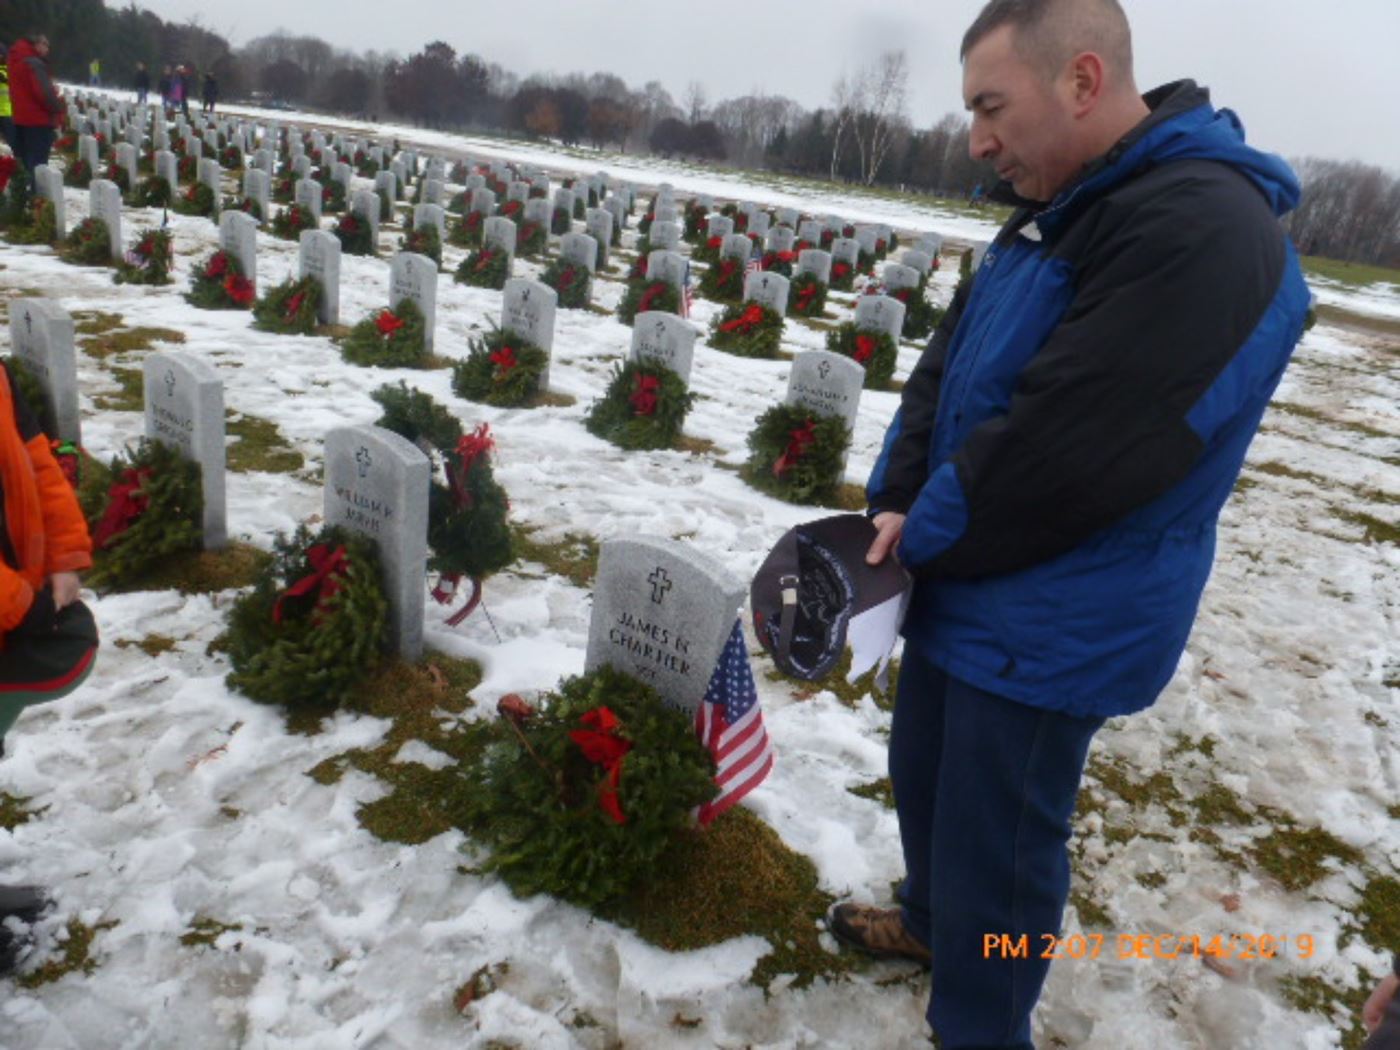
pixel 1305 77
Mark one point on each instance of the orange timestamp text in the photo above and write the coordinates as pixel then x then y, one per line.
pixel 1148 946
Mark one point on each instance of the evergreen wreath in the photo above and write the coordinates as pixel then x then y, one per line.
pixel 88 244
pixel 154 508
pixel 827 237
pixel 466 231
pixel 117 174
pixel 644 223
pixel 797 455
pixel 644 407
pixel 467 526
pixel 355 234
pixel 531 240
pixel 696 223
pixel 807 296
pixel 724 281
pixel 778 262
pixel 66 143
pixel 583 796
pixel 332 197
pixel 248 205
pixel 869 347
pixel 284 190
pixel 366 167
pixel 220 284
pixel 186 169
pixel 79 174
pixel 638 270
pixel 921 317
pixel 424 240
pixel 291 220
pixel 148 262
pixel 484 268
pixel 747 329
pixel 561 222
pixel 387 214
pixel 388 339
pixel 843 275
pixel 458 202
pixel 511 209
pixel 642 296
pixel 24 379
pixel 26 217
pixel 290 307
pixel 197 199
pixel 500 369
pixel 314 625
pixel 571 280
pixel 707 250
pixel 153 192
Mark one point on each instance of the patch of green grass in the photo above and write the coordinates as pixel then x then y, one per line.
pixel 849 693
pixel 1205 747
pixel 95 322
pixel 13 811
pixel 1092 914
pixel 1356 274
pixel 881 791
pixel 575 557
pixel 1338 1003
pixel 735 878
pixel 1378 912
pixel 1299 856
pixel 151 645
pixel 849 497
pixel 130 395
pixel 1152 880
pixel 104 344
pixel 204 931
pixel 75 956
pixel 1318 416
pixel 1219 805
pixel 260 447
pixel 1376 530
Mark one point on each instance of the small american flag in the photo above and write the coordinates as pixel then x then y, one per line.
pixel 755 263
pixel 730 724
pixel 687 296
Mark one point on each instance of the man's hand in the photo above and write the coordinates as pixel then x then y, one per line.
pixel 1374 1010
pixel 65 588
pixel 888 525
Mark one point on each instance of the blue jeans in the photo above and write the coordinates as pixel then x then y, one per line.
pixel 985 788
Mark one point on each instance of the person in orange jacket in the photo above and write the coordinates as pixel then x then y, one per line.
pixel 48 639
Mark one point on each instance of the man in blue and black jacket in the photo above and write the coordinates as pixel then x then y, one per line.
pixel 1053 477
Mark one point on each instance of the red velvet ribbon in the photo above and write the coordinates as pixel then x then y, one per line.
pixel 745 321
pixel 643 399
pixel 485 260
pixel 798 442
pixel 865 348
pixel 239 289
pixel 602 746
pixel 327 567
pixel 388 323
pixel 125 503
pixel 504 360
pixel 294 305
pixel 805 296
pixel 218 266
pixel 655 292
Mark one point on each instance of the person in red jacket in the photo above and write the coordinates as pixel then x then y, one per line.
pixel 48 639
pixel 38 107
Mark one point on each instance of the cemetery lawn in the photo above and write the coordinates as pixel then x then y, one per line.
pixel 1353 274
pixel 217 871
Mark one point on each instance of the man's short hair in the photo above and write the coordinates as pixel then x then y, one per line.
pixel 1051 32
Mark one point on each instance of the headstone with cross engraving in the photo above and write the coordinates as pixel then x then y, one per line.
pixel 880 313
pixel 736 246
pixel 662 613
pixel 41 335
pixel 527 311
pixel 664 339
pixel 719 226
pixel 105 204
pixel 376 483
pixel 897 276
pixel 499 233
pixel 827 383
pixel 599 224
pixel 413 276
pixel 185 409
pixel 309 194
pixel 49 185
pixel 318 256
pixel 767 289
pixel 816 262
pixel 845 250
pixel 780 239
pixel 538 212
pixel 667 266
pixel 238 236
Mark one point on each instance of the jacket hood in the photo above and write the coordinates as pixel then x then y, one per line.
pixel 20 50
pixel 1182 125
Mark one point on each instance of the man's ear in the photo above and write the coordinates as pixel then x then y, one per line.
pixel 1087 75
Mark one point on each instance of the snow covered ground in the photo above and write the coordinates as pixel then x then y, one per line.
pixel 159 796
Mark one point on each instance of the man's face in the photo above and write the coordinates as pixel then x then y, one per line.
pixel 42 46
pixel 1021 121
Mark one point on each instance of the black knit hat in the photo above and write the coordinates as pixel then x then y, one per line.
pixel 815 589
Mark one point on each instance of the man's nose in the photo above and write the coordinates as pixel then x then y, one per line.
pixel 981 144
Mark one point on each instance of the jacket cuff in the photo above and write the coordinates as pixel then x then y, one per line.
pixel 69 561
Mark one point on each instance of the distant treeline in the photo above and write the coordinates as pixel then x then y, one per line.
pixel 1349 211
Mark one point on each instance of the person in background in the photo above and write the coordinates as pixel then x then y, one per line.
pixel 163 86
pixel 7 124
pixel 211 92
pixel 1381 1014
pixel 48 638
pixel 141 83
pixel 177 91
pixel 95 73
pixel 38 107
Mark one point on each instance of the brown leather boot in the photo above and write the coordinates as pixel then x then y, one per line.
pixel 879 932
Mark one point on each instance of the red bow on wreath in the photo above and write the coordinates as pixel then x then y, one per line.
pixel 218 265
pixel 65 453
pixel 470 448
pixel 745 321
pixel 349 225
pixel 602 746
pixel 388 323
pixel 714 242
pixel 486 256
pixel 504 360
pixel 805 297
pixel 644 394
pixel 799 441
pixel 567 278
pixel 327 568
pixel 865 348
pixel 294 305
pixel 655 292
pixel 239 289
pixel 126 501
pixel 840 270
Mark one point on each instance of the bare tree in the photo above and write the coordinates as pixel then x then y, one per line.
pixel 884 91
pixel 846 99
pixel 695 99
